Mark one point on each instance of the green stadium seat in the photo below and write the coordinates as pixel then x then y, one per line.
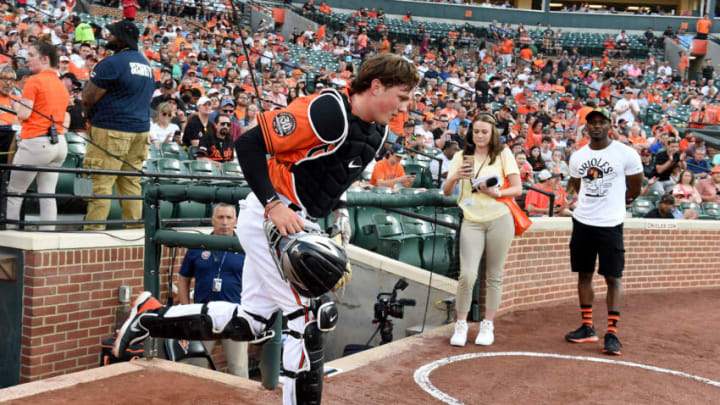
pixel 74 137
pixel 364 234
pixel 654 196
pixel 640 207
pixel 393 243
pixel 170 166
pixel 435 248
pixel 416 169
pixel 686 205
pixel 711 210
pixel 173 150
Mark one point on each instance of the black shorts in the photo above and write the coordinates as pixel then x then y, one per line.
pixel 590 242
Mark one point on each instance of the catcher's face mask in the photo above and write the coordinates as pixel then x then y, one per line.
pixel 309 260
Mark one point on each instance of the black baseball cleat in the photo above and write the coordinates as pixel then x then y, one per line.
pixel 583 334
pixel 612 344
pixel 132 331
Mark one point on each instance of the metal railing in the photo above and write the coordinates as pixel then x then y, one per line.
pixel 5 169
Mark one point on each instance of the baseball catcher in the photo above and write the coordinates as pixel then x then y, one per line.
pixel 318 146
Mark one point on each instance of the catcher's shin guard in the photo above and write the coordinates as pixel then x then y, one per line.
pixel 214 320
pixel 308 384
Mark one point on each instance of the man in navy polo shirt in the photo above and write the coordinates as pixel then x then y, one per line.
pixel 218 277
pixel 116 101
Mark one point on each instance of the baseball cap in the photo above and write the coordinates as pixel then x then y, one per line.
pixel 227 102
pixel 168 84
pixel 544 175
pixel 203 100
pixel 64 59
pixel 398 150
pixel 599 110
pixel 673 140
pixel 218 79
pixel 409 123
pixel 127 32
pixel 645 152
pixel 668 199
pixel 213 92
pixel 715 169
pixel 72 78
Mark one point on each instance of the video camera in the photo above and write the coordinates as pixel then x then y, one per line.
pixel 389 305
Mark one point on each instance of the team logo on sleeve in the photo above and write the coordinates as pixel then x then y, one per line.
pixel 284 124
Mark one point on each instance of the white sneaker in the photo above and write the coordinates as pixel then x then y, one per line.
pixel 460 336
pixel 485 335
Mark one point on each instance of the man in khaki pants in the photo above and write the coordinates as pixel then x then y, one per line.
pixel 116 101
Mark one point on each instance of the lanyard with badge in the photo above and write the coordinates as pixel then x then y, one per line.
pixel 469 200
pixel 217 281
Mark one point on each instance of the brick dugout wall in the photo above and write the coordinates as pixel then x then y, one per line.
pixel 659 255
pixel 70 292
pixel 70 300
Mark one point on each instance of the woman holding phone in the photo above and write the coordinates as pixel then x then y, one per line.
pixel 487 225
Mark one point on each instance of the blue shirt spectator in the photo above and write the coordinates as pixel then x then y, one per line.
pixel 206 265
pixel 128 81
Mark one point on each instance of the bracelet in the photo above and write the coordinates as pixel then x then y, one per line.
pixel 272 205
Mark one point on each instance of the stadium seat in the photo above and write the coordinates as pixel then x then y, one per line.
pixel 364 234
pixel 173 150
pixel 393 243
pixel 711 209
pixel 412 168
pixel 170 166
pixel 202 168
pixel 686 205
pixel 155 152
pixel 435 248
pixel 641 206
pixel 232 169
pixel 74 137
pixel 654 196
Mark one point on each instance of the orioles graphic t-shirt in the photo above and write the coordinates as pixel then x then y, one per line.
pixel 601 199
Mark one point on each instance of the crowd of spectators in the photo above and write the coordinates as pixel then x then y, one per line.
pixel 213 78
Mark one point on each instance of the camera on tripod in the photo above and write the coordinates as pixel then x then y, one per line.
pixel 388 304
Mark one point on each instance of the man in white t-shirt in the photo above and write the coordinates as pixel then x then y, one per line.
pixel 627 108
pixel 450 148
pixel 607 175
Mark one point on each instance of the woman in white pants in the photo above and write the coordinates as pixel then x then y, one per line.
pixel 488 226
pixel 44 95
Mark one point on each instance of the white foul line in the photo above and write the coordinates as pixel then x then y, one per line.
pixel 422 374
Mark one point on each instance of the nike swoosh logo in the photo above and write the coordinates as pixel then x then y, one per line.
pixel 333 318
pixel 269 200
pixel 353 165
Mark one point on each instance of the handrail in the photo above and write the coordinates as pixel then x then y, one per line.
pixel 30 168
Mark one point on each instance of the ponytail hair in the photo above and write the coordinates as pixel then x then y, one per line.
pixel 45 47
